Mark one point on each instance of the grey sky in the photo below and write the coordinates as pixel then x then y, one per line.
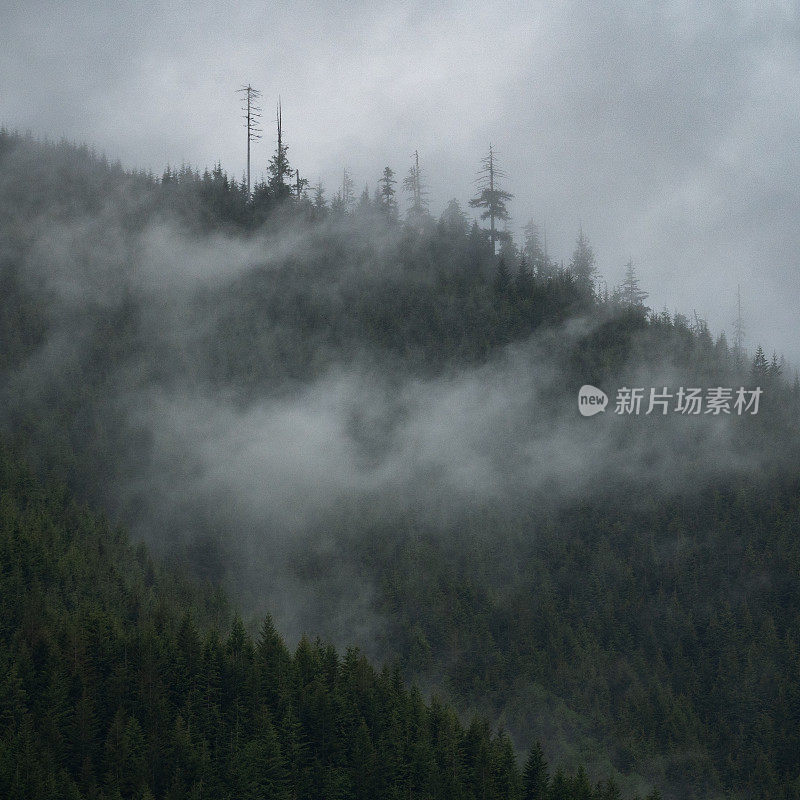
pixel 669 130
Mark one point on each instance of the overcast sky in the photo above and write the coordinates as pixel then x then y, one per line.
pixel 668 130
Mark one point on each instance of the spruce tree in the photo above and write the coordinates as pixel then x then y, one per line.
pixel 453 222
pixel 502 277
pixel 535 777
pixel 775 369
pixel 533 251
pixel 760 368
pixel 280 173
pixel 386 194
pixel 491 198
pixel 318 201
pixel 582 264
pixel 632 295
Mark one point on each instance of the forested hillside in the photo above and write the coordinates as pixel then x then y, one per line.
pixel 122 680
pixel 365 424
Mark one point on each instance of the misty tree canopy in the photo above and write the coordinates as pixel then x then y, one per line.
pixel 364 424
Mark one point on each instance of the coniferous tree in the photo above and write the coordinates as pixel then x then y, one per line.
pixel 338 208
pixel 738 331
pixel 775 369
pixel 364 208
pixel 491 198
pixel 318 201
pixel 280 173
pixel 414 186
pixel 535 776
pixel 759 370
pixel 582 264
pixel 508 248
pixel 722 350
pixel 347 196
pixel 502 277
pixel 523 276
pixel 300 185
pixel 632 294
pixel 453 221
pixel 607 790
pixel 478 248
pixel 387 195
pixel 534 251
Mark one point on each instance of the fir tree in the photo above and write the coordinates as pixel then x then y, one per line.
pixel 631 294
pixel 318 201
pixel 453 223
pixel 280 173
pixel 775 369
pixel 364 207
pixel 759 370
pixel 533 250
pixel 502 278
pixel 491 198
pixel 535 776
pixel 582 264
pixel 386 195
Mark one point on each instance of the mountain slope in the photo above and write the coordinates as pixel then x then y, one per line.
pixel 108 689
pixel 366 426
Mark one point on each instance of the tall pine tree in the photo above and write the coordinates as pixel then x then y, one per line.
pixel 491 198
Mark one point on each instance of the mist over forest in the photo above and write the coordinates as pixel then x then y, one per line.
pixel 358 414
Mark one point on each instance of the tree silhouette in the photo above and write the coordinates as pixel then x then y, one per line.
pixel 386 194
pixel 280 173
pixel 760 368
pixel 415 188
pixel 535 776
pixel 631 294
pixel 491 198
pixel 582 264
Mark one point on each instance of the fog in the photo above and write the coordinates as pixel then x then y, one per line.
pixel 246 482
pixel 315 413
pixel 666 130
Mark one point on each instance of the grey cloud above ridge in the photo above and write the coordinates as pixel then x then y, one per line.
pixel 666 129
